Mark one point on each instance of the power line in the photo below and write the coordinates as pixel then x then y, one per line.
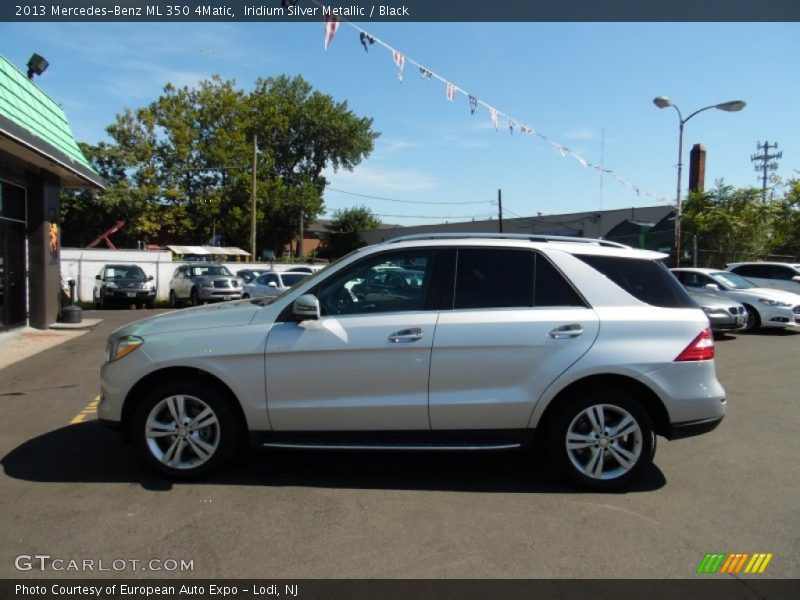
pixel 441 217
pixel 403 201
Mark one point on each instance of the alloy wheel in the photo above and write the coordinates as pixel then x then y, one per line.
pixel 604 441
pixel 182 432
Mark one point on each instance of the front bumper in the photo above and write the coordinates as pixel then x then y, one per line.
pixel 726 322
pixel 220 294
pixel 128 295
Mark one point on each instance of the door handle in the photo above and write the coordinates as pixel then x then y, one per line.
pixel 406 335
pixel 566 332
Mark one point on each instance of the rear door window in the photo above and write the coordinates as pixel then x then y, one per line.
pixel 490 278
pixel 646 280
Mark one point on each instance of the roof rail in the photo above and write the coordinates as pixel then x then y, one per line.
pixel 531 237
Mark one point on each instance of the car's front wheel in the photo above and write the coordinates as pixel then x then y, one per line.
pixel 753 319
pixel 186 430
pixel 601 439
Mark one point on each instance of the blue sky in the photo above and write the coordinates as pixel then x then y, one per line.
pixel 568 81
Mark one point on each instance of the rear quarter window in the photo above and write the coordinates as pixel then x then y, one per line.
pixel 646 280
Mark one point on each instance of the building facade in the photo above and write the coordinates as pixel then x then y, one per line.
pixel 38 157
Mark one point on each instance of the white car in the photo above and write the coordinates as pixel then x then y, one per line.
pixel 766 307
pixel 591 346
pixel 272 283
pixel 782 276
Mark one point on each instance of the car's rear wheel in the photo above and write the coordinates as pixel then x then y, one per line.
pixel 753 319
pixel 173 299
pixel 601 439
pixel 186 430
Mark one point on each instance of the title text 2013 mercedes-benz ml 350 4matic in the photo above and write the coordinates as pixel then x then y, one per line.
pixel 592 346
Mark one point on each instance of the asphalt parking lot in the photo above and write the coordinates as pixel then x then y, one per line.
pixel 71 489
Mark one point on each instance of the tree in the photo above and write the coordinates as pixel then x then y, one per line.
pixel 180 167
pixel 355 219
pixel 731 224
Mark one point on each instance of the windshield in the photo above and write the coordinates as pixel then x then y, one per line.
pixel 123 272
pixel 211 270
pixel 289 279
pixel 732 280
pixel 313 277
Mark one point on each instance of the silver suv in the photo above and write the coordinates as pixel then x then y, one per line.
pixel 590 346
pixel 198 283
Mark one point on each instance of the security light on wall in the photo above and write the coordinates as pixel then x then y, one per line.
pixel 37 65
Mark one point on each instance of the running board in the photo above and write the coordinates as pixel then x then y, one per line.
pixel 479 447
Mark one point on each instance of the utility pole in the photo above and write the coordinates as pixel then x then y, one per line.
pixel 300 243
pixel 253 256
pixel 500 209
pixel 764 163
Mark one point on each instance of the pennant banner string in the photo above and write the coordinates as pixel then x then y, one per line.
pixel 452 89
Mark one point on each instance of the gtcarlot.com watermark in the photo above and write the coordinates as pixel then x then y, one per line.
pixel 46 562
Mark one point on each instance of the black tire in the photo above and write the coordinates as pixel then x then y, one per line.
pixel 753 319
pixel 194 298
pixel 173 299
pixel 230 430
pixel 245 296
pixel 101 303
pixel 151 304
pixel 614 403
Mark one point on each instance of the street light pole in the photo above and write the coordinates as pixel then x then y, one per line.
pixel 253 203
pixel 663 102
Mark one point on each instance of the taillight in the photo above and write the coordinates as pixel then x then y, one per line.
pixel 701 348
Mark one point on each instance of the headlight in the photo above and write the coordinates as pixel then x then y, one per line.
pixel 774 302
pixel 111 284
pixel 116 349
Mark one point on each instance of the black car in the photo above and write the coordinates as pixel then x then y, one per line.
pixel 123 285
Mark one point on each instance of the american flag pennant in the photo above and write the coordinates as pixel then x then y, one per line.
pixel 526 129
pixel 561 149
pixel 580 159
pixel 511 124
pixel 424 73
pixel 400 61
pixel 473 105
pixel 331 25
pixel 451 91
pixel 366 40
pixel 493 112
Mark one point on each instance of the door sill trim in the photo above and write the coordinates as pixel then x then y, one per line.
pixel 396 447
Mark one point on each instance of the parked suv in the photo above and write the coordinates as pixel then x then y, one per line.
pixel 199 283
pixel 591 346
pixel 783 276
pixel 123 285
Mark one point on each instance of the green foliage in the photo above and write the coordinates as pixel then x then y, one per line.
pixel 354 219
pixel 181 167
pixel 734 224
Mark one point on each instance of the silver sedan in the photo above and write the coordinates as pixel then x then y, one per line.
pixel 272 283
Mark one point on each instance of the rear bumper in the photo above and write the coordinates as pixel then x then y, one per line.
pixel 686 429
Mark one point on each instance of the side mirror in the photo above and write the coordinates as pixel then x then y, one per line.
pixel 712 286
pixel 306 307
pixel 149 278
pixel 98 277
pixel 272 284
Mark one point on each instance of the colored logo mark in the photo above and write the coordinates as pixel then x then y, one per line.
pixel 741 562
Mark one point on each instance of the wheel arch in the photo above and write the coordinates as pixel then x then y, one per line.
pixel 166 374
pixel 641 392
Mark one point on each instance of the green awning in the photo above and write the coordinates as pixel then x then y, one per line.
pixel 33 120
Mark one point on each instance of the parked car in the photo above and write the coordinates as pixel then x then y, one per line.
pixel 723 313
pixel 308 270
pixel 589 345
pixel 249 275
pixel 123 285
pixel 272 283
pixel 766 307
pixel 783 276
pixel 199 283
